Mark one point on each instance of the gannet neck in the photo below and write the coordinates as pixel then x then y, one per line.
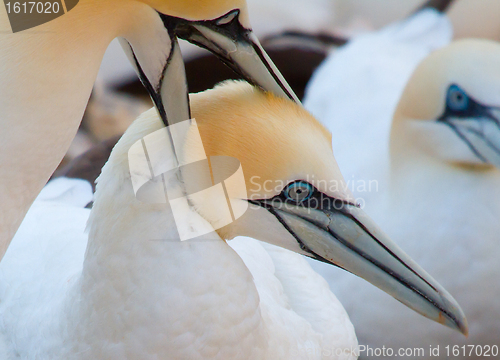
pixel 135 263
pixel 46 76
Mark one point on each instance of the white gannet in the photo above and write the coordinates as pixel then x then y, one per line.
pixel 286 284
pixel 438 180
pixel 47 73
pixel 138 292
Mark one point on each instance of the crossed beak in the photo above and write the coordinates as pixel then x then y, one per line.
pixel 236 46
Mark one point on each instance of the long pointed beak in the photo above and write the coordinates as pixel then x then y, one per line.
pixel 236 46
pixel 481 133
pixel 343 235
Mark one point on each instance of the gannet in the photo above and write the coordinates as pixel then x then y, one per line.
pixel 139 292
pixel 438 177
pixel 46 76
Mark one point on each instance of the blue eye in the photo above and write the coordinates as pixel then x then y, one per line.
pixel 298 191
pixel 457 99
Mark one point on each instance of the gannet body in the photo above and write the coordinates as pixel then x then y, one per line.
pixel 47 73
pixel 435 169
pixel 135 291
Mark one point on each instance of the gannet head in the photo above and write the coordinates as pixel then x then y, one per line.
pixel 222 27
pixel 450 108
pixel 297 197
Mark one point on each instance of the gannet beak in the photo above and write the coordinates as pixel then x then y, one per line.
pixel 236 46
pixel 480 133
pixel 341 234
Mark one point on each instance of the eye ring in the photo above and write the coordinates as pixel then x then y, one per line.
pixel 298 191
pixel 457 99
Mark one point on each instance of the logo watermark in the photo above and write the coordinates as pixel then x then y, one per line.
pixel 369 352
pixel 212 185
pixel 25 15
pixel 353 185
pixel 261 188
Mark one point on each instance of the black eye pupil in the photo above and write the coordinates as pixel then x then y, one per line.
pixel 298 194
pixel 457 99
pixel 298 191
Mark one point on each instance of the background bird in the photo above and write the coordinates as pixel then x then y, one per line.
pixel 434 164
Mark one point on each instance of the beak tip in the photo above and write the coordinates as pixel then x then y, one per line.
pixel 457 322
pixel 460 325
pixel 455 318
pixel 463 327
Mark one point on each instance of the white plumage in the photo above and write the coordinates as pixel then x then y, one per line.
pixel 443 215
